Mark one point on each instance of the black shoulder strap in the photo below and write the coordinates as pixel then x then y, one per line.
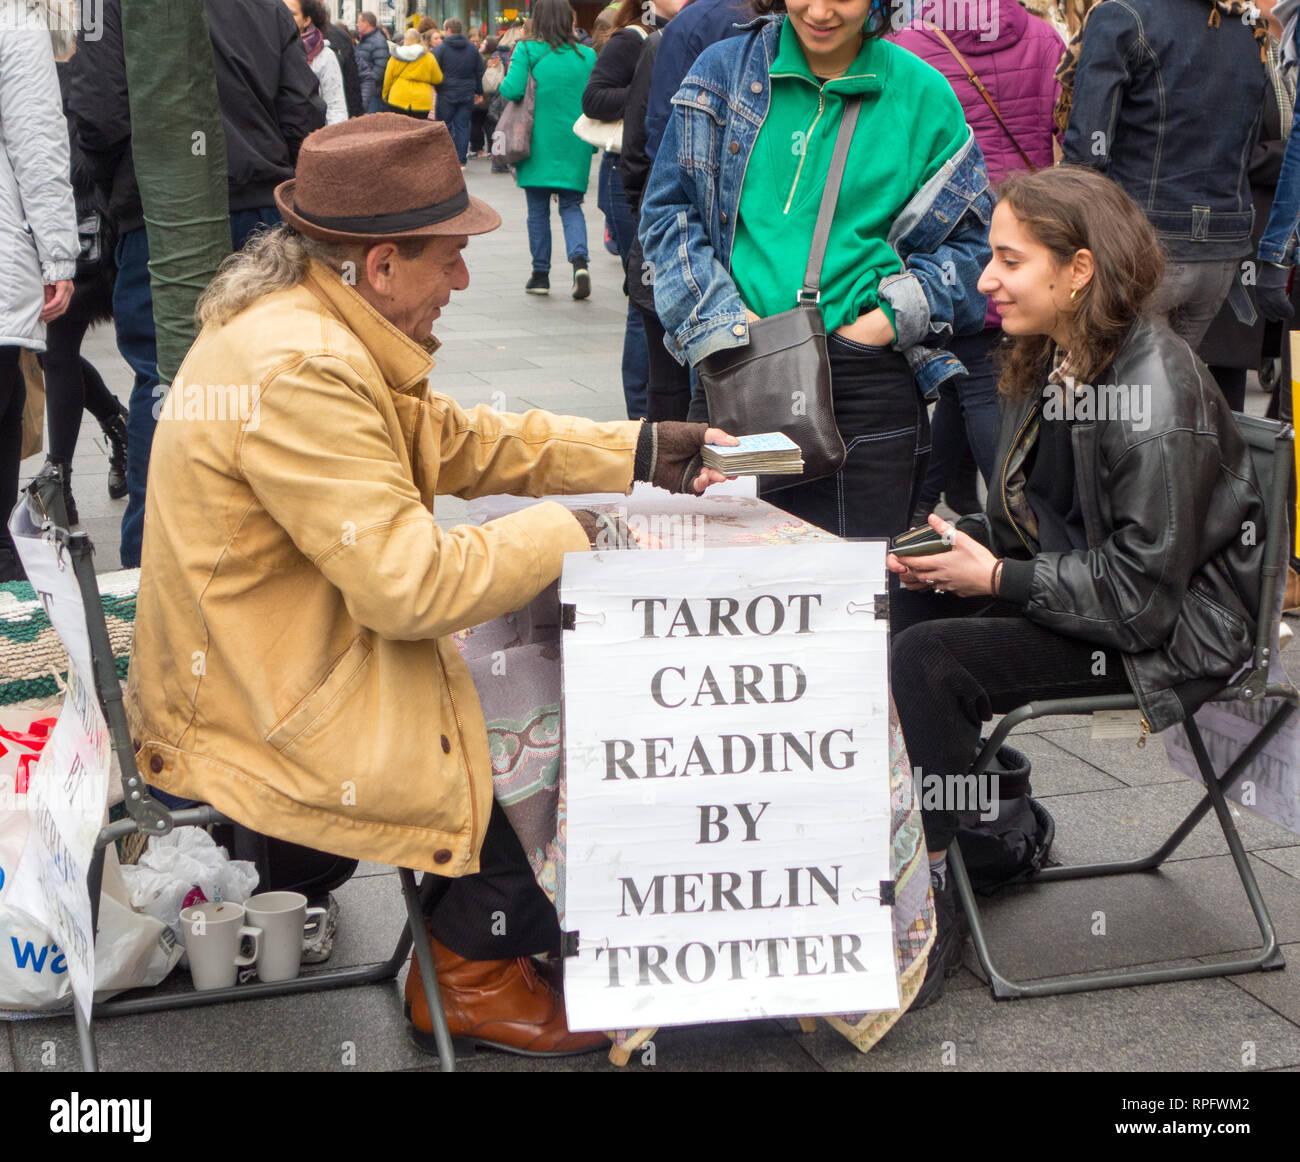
pixel 830 195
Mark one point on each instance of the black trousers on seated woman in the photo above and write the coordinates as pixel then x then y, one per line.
pixel 957 661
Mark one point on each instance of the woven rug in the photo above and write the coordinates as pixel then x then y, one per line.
pixel 30 651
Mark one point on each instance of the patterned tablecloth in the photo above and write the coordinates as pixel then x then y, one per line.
pixel 515 663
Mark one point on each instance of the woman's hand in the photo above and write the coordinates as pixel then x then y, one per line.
pixel 873 329
pixel 965 570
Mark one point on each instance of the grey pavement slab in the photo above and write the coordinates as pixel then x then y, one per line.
pixel 1056 771
pixel 1285 858
pixel 1280 991
pixel 311 1032
pixel 1190 909
pixel 1122 758
pixel 1196 1025
pixel 1131 822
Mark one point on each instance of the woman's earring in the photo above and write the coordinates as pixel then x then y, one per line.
pixel 1073 294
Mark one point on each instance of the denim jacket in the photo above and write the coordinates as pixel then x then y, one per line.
pixel 688 220
pixel 1169 108
pixel 1278 241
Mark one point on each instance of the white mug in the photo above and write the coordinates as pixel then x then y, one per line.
pixel 213 933
pixel 282 917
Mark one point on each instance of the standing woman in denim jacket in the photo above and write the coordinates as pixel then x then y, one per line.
pixel 728 241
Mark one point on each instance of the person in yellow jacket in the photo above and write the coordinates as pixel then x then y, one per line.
pixel 409 78
pixel 293 663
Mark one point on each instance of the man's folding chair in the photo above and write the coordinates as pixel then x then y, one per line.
pixel 1271 446
pixel 147 816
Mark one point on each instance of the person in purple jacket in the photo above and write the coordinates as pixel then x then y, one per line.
pixel 1013 55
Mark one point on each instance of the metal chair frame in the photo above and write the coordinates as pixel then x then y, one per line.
pixel 1271 445
pixel 147 816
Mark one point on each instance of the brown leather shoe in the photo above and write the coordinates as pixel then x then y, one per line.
pixel 498 1004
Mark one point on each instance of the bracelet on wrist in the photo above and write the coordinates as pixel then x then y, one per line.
pixel 995 577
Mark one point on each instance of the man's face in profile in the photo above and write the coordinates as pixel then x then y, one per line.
pixel 411 292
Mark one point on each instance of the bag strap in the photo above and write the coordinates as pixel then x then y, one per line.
pixel 979 87
pixel 810 292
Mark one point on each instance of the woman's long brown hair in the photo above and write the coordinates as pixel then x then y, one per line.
pixel 1067 209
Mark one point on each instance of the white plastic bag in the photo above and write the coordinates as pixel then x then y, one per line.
pixel 174 865
pixel 131 951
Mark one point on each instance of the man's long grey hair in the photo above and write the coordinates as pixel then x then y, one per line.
pixel 277 259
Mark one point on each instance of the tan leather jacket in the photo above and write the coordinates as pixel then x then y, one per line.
pixel 291 662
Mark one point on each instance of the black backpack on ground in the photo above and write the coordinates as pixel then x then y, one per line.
pixel 1013 846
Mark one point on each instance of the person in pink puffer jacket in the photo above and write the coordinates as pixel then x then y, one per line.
pixel 1014 54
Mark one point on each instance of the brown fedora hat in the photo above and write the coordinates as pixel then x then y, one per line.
pixel 381 176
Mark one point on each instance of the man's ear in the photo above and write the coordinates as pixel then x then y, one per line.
pixel 381 267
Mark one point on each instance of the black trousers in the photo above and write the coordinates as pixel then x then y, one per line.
pixel 955 662
pixel 13 395
pixel 499 913
pixel 668 388
pixel 886 429
pixel 72 385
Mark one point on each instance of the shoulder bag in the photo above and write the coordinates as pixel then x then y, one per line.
pixel 781 380
pixel 512 141
pixel 980 88
pixel 606 135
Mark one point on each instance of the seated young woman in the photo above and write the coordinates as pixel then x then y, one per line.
pixel 1121 547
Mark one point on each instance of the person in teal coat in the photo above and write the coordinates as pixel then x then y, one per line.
pixel 559 161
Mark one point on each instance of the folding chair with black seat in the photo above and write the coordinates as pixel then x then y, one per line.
pixel 1271 446
pixel 147 816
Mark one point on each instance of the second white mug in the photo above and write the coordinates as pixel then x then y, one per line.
pixel 283 917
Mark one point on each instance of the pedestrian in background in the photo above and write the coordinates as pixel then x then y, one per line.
pixel 410 77
pixel 38 237
pixel 372 60
pixel 1014 58
pixel 559 164
pixel 605 100
pixel 462 81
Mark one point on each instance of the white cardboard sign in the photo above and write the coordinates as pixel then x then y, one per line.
pixel 727 771
pixel 69 785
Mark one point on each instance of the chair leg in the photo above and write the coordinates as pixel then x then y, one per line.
pixel 86 1041
pixel 424 959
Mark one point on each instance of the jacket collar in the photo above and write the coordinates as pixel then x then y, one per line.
pixel 865 75
pixel 403 362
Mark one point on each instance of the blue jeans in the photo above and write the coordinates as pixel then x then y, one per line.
pixel 539 225
pixel 456 114
pixel 133 320
pixel 967 411
pixel 636 359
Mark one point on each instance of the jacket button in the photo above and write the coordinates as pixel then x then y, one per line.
pixel 446 749
pixel 755 87
pixel 156 764
pixel 738 329
pixel 734 147
pixel 724 215
pixel 442 855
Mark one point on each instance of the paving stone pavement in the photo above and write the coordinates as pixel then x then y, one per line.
pixel 516 351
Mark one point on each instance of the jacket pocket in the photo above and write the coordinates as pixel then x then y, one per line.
pixel 319 705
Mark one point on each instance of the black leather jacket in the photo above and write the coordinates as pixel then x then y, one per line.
pixel 1174 518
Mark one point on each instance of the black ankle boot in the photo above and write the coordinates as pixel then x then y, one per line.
pixel 115 433
pixel 54 468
